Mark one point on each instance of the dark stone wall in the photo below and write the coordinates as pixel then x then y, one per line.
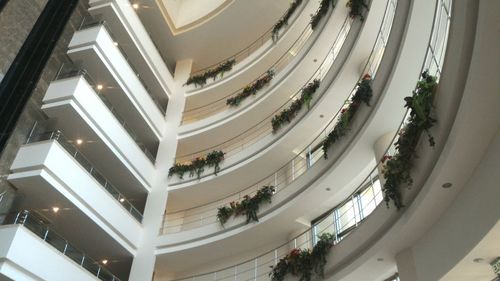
pixel 16 20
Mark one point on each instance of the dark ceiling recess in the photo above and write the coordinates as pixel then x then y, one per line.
pixel 22 77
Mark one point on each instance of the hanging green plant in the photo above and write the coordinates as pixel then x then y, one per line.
pixel 363 95
pixel 356 8
pixel 248 207
pixel 321 12
pixel 201 79
pixel 284 20
pixel 197 165
pixel 304 263
pixel 251 89
pixel 396 169
pixel 286 115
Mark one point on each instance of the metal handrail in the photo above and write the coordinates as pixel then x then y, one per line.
pixel 74 71
pixel 35 223
pixel 341 224
pixel 244 53
pixel 86 164
pixel 264 128
pixel 304 160
pixel 204 111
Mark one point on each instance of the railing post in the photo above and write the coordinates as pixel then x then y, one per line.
pixel 275 257
pixel 45 235
pixel 83 259
pixel 98 271
pixel 235 272
pixel 255 270
pixel 293 169
pixel 309 157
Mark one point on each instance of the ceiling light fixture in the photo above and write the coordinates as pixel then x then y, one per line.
pixel 55 209
pixel 321 116
pixel 115 43
pixel 447 185
pixel 122 199
pixel 328 189
pixel 104 261
pixel 79 141
pixel 99 87
pixel 135 6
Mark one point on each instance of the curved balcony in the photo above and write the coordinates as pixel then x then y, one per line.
pixel 320 61
pixel 254 65
pixel 281 67
pixel 265 39
pixel 282 178
pixel 361 209
pixel 263 160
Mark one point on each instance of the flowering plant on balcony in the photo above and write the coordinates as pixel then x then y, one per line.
pixel 197 165
pixel 249 206
pixel 363 95
pixel 284 20
pixel 251 89
pixel 286 115
pixel 304 263
pixel 356 8
pixel 396 169
pixel 321 12
pixel 201 79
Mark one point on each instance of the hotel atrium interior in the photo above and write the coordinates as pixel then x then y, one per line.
pixel 249 140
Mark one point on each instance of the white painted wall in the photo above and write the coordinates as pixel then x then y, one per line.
pixel 98 39
pixel 49 162
pixel 26 257
pixel 79 95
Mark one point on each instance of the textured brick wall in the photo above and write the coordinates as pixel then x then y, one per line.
pixel 16 21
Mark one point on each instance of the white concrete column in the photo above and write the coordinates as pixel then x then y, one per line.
pixel 406 265
pixel 144 262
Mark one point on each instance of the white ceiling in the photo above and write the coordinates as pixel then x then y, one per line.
pixel 221 36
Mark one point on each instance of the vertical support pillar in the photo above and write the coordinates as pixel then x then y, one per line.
pixel 406 265
pixel 144 261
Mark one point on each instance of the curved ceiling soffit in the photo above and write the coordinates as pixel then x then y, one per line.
pixel 176 29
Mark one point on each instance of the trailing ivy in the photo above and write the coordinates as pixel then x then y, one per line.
pixel 363 95
pixel 248 207
pixel 197 165
pixel 201 79
pixel 322 11
pixel 304 263
pixel 251 89
pixel 397 168
pixel 356 8
pixel 284 20
pixel 286 115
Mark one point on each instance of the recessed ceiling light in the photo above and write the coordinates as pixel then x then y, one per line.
pixel 328 189
pixel 122 199
pixel 55 209
pixel 447 185
pixel 380 259
pixel 478 260
pixel 104 261
pixel 315 60
pixel 115 43
pixel 99 87
pixel 135 6
pixel 321 116
pixel 79 141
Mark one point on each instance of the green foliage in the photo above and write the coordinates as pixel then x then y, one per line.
pixel 304 263
pixel 322 11
pixel 197 165
pixel 356 8
pixel 248 207
pixel 397 168
pixel 284 20
pixel 363 95
pixel 251 89
pixel 201 79
pixel 286 115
